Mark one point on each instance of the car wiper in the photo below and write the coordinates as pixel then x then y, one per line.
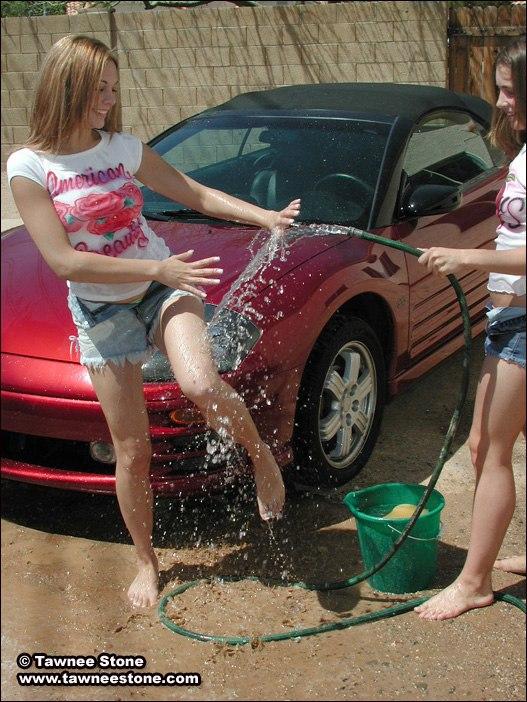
pixel 156 215
pixel 189 214
pixel 166 215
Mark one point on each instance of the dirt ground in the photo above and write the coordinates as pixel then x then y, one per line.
pixel 67 563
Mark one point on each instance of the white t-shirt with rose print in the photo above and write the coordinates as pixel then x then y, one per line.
pixel 99 205
pixel 510 209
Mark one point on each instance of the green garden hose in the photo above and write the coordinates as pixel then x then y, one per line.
pixel 349 582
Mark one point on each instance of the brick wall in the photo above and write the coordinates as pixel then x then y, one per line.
pixel 175 63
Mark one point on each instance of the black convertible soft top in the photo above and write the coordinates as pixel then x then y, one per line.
pixel 397 99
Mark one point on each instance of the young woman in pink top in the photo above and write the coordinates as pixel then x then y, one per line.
pixel 499 411
pixel 74 187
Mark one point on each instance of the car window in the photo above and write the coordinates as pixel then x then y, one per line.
pixel 205 147
pixel 451 148
pixel 333 165
pixel 254 141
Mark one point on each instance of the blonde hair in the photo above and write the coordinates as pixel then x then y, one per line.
pixel 66 91
pixel 502 134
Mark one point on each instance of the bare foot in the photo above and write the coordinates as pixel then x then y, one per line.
pixel 453 601
pixel 269 485
pixel 515 564
pixel 144 590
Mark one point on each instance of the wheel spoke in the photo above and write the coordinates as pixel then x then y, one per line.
pixel 352 367
pixel 364 388
pixel 361 422
pixel 344 442
pixel 335 385
pixel 330 425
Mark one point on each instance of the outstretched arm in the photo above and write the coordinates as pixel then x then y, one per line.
pixel 442 261
pixel 158 175
pixel 46 230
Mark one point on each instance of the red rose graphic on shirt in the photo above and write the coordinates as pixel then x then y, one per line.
pixel 63 210
pixel 97 206
pixel 110 225
pixel 133 198
pixel 105 213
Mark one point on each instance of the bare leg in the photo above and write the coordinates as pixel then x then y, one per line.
pixel 514 564
pixel 120 393
pixel 184 340
pixel 499 415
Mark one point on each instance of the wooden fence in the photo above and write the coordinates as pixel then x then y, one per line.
pixel 475 36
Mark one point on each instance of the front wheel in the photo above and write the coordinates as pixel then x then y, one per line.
pixel 340 404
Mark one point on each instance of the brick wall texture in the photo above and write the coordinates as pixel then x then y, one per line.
pixel 177 62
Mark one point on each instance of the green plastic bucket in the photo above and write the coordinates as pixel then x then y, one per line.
pixel 414 564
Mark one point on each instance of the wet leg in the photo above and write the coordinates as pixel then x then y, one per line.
pixel 499 416
pixel 120 393
pixel 513 564
pixel 182 336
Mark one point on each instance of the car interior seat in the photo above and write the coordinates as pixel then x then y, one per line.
pixel 280 172
pixel 263 186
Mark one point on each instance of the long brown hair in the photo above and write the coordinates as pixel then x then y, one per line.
pixel 66 90
pixel 502 134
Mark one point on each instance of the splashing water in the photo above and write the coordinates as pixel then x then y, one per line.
pixel 277 244
pixel 220 446
pixel 228 334
pixel 325 230
pixel 287 572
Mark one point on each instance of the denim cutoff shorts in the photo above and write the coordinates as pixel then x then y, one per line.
pixel 110 332
pixel 506 334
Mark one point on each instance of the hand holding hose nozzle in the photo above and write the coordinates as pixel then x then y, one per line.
pixel 441 261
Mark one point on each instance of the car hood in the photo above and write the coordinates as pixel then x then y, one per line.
pixel 35 318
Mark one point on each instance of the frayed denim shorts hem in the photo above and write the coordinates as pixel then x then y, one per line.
pixel 506 334
pixel 117 333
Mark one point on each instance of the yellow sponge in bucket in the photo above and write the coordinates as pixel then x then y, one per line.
pixel 403 511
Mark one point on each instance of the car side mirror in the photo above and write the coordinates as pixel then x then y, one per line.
pixel 430 200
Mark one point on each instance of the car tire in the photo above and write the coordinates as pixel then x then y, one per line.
pixel 340 405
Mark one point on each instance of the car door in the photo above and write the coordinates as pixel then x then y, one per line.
pixel 449 148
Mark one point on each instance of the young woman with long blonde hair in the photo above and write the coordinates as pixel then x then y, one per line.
pixel 74 186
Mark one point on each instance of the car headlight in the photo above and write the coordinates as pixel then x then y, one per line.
pixel 231 335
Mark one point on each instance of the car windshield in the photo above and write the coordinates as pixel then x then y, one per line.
pixel 332 164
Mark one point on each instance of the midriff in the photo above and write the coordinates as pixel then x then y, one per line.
pixel 129 300
pixel 507 299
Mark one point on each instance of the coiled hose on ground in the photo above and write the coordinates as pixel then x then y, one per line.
pixel 349 582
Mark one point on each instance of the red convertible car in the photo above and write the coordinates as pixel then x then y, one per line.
pixel 315 338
